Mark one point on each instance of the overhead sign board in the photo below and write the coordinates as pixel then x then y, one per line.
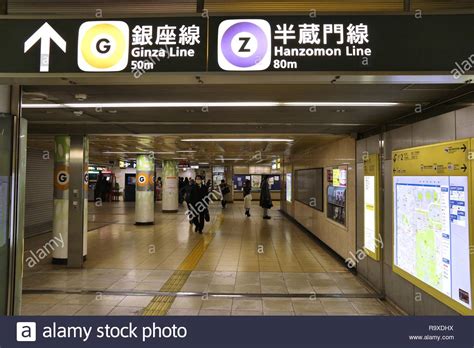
pixel 98 46
pixel 391 43
pixel 339 43
pixel 432 233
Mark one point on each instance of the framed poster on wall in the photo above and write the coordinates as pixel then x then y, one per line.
pixel 309 187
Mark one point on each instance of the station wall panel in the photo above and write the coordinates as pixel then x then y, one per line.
pixel 39 192
pixel 447 127
pixel 341 239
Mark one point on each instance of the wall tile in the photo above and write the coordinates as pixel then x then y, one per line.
pixel 465 123
pixel 397 139
pixel 401 292
pixel 361 148
pixel 428 305
pixel 435 130
pixel 373 144
pixel 374 273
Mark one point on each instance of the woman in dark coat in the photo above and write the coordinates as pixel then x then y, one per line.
pixel 199 203
pixel 265 197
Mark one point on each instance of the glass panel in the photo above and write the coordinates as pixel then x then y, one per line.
pixel 5 163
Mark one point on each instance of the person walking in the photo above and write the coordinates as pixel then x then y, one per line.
pixel 247 188
pixel 225 193
pixel 187 195
pixel 197 195
pixel 180 191
pixel 265 197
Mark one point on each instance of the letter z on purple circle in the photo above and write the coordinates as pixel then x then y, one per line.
pixel 244 45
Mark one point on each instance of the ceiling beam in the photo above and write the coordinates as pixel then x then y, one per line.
pixel 200 6
pixel 3 7
pixel 407 5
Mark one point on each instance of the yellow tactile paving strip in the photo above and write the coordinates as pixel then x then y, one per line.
pixel 160 305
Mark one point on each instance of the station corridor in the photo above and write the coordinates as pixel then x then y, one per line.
pixel 239 266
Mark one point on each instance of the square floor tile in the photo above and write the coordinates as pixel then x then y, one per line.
pixel 277 305
pixel 135 301
pixel 63 309
pixel 191 302
pixel 244 304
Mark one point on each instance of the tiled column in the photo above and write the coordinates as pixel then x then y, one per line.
pixel 170 186
pixel 144 198
pixel 62 144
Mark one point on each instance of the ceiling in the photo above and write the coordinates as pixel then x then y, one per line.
pixel 124 131
pixel 334 120
pixel 104 149
pixel 111 8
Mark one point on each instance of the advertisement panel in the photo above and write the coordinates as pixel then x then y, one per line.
pixel 372 237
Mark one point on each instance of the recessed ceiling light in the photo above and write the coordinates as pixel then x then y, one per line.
pixel 35 96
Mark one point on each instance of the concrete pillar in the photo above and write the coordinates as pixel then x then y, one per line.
pixel 62 145
pixel 85 220
pixel 75 235
pixel 144 197
pixel 170 178
pixel 229 179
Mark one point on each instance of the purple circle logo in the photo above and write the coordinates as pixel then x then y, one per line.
pixel 244 45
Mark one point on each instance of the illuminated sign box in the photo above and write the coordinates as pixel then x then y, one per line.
pixel 431 229
pixel 372 237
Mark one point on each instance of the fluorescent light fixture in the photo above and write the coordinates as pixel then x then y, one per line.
pixel 274 140
pixel 180 158
pixel 355 104
pixel 186 151
pixel 229 159
pixel 197 104
pixel 151 105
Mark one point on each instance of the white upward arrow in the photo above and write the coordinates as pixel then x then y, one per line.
pixel 45 34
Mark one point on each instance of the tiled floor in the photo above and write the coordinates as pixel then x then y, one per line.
pixel 127 264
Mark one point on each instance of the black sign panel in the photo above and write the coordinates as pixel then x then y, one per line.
pixel 130 45
pixel 391 43
pixel 340 43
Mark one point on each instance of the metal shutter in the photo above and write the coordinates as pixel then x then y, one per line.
pixel 39 193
